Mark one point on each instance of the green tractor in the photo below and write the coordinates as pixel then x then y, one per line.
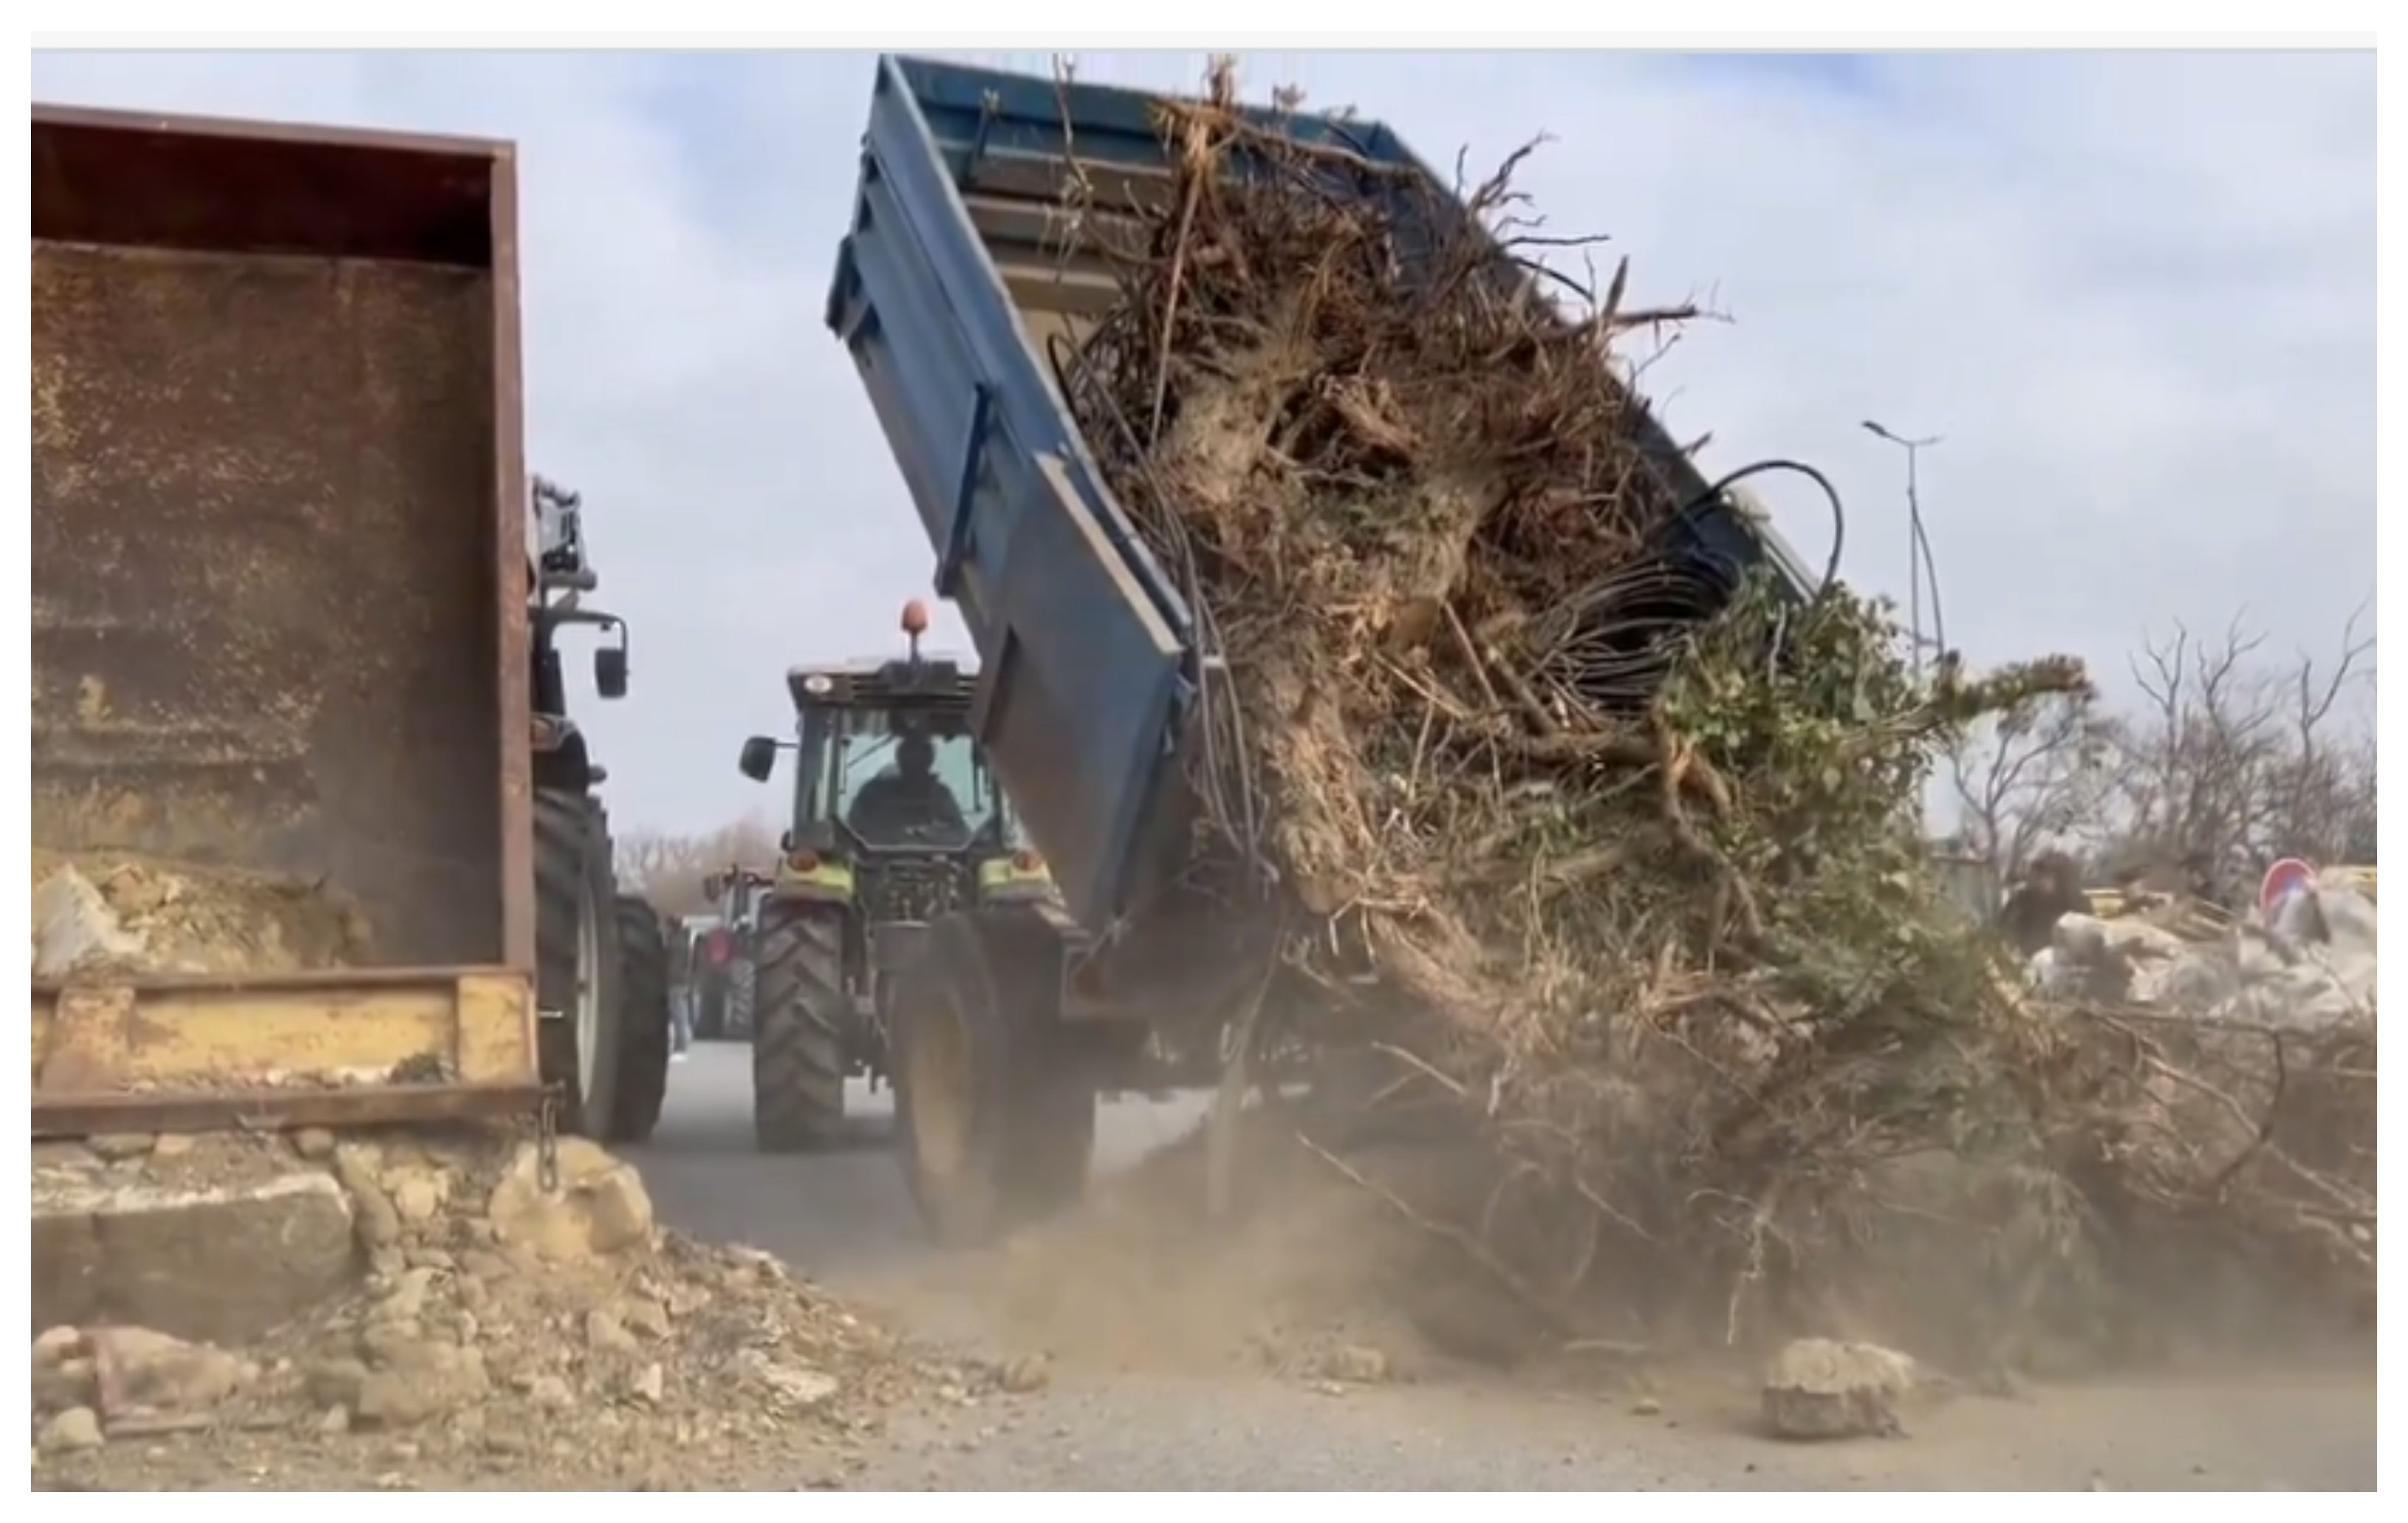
pixel 896 823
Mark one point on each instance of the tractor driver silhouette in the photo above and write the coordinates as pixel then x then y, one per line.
pixel 908 798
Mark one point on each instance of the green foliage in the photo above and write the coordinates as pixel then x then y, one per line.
pixel 1825 737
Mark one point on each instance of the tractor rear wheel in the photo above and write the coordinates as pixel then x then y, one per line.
pixel 800 1015
pixel 644 1026
pixel 997 1125
pixel 577 959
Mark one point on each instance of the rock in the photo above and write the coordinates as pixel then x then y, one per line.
pixel 137 1369
pixel 641 1314
pixel 550 1391
pixel 54 1344
pixel 335 1382
pixel 355 1166
pixel 796 1385
pixel 172 1145
pixel 63 1383
pixel 215 1264
pixel 604 1334
pixel 334 1420
pixel 2349 920
pixel 121 1144
pixel 600 1208
pixel 1646 1406
pixel 358 1163
pixel 387 1344
pixel 63 1371
pixel 1027 1373
pixel 2080 939
pixel 649 1384
pixel 1357 1362
pixel 73 926
pixel 1818 1387
pixel 406 1302
pixel 314 1143
pixel 417 1195
pixel 426 1380
pixel 75 1429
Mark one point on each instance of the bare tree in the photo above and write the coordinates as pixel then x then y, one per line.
pixel 2031 780
pixel 669 870
pixel 2233 762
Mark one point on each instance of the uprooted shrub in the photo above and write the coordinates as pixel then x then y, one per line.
pixel 1611 842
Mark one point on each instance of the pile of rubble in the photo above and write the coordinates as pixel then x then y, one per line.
pixel 513 1319
pixel 2310 967
pixel 2227 1077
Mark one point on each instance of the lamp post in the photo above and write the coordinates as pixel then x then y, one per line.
pixel 1919 564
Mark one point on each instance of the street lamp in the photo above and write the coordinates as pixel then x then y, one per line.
pixel 1920 566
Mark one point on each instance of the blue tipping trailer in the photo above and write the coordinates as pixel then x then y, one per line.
pixel 957 298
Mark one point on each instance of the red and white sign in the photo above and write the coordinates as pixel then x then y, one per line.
pixel 2282 880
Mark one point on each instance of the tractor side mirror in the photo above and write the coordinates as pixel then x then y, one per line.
pixel 611 671
pixel 759 758
pixel 711 884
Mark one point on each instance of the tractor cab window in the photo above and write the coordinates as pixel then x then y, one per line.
pixel 887 807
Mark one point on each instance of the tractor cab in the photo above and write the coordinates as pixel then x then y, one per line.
pixel 890 784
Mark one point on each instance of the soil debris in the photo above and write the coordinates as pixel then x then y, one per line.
pixel 101 912
pixel 501 1334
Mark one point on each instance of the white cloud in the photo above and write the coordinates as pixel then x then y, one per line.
pixel 2136 293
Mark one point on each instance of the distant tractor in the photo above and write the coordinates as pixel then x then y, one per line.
pixel 722 954
pixel 896 823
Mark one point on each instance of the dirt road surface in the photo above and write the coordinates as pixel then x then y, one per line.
pixel 846 1220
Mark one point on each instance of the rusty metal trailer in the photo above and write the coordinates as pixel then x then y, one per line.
pixel 280 604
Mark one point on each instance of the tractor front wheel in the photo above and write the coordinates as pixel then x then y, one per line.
pixel 800 1015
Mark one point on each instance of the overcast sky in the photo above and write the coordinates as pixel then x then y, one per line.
pixel 2134 293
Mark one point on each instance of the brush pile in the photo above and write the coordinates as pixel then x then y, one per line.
pixel 1604 843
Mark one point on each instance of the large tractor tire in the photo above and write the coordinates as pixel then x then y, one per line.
pixel 997 1128
pixel 644 1026
pixel 801 1013
pixel 577 959
pixel 735 1006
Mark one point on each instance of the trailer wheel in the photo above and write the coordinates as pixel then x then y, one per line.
pixel 577 958
pixel 800 1011
pixel 997 1128
pixel 644 1024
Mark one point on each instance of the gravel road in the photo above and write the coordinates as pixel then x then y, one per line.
pixel 845 1220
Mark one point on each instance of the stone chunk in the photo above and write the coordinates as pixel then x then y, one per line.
pixel 210 1264
pixel 1820 1388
